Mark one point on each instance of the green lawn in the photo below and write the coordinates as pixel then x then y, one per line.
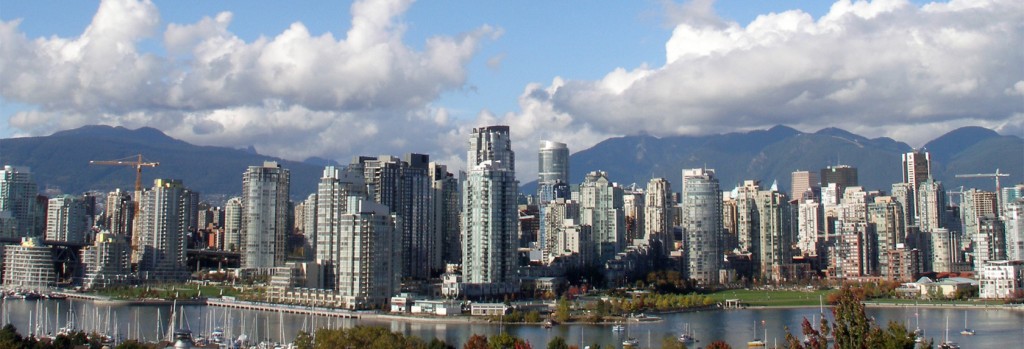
pixel 776 298
pixel 167 291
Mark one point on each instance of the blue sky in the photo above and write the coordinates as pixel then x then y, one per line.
pixel 291 80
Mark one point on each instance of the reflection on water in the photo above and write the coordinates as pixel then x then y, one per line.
pixel 995 328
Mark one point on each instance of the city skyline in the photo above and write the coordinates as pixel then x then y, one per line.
pixel 950 65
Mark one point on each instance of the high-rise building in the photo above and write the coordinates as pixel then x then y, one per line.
pixel 306 222
pixel 943 247
pixel 553 168
pixel 18 194
pixel 917 167
pixel 802 182
pixel 107 261
pixel 886 215
pixel 931 204
pixel 702 225
pixel 490 220
pixel 601 207
pixel 905 195
pixel 233 224
pixel 120 213
pixel 810 230
pixel 634 207
pixel 265 193
pixel 367 272
pixel 1013 218
pixel 66 219
pixel 748 225
pixel 420 247
pixel 989 244
pixel 162 229
pixel 775 234
pixel 843 175
pixel 856 253
pixel 491 143
pixel 658 207
pixel 1010 195
pixel 562 215
pixel 332 199
pixel 445 208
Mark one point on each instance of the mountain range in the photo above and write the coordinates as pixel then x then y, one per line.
pixel 60 162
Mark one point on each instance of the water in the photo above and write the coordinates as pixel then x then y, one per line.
pixel 995 328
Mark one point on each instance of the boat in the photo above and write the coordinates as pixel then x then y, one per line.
pixel 686 337
pixel 947 344
pixel 758 342
pixel 630 342
pixel 618 328
pixel 967 330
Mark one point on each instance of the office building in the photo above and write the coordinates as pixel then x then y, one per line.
pixel 67 219
pixel 702 225
pixel 843 175
pixel 18 194
pixel 162 230
pixel 803 182
pixel 917 167
pixel 265 194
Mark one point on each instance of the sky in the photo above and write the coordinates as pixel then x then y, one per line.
pixel 335 79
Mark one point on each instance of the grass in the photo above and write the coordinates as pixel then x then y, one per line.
pixel 167 291
pixel 774 298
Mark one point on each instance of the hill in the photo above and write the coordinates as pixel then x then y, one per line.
pixel 773 154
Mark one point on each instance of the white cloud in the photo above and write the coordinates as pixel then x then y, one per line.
pixel 295 94
pixel 884 68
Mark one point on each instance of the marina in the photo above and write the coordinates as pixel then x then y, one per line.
pixel 994 327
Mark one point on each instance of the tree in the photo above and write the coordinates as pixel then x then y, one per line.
pixel 303 340
pixel 476 342
pixel 670 342
pixel 558 343
pixel 129 344
pixel 718 345
pixel 562 310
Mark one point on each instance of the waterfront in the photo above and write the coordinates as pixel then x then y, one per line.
pixel 995 327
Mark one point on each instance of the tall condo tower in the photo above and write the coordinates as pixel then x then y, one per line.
pixel 18 196
pixel 265 191
pixel 490 219
pixel 552 170
pixel 702 225
pixel 161 229
pixel 658 209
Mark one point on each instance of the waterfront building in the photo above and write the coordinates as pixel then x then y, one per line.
pixel 843 175
pixel 601 207
pixel 233 224
pixel 107 261
pixel 28 266
pixel 67 219
pixel 367 272
pixel 444 202
pixel 658 209
pixel 490 218
pixel 120 210
pixel 702 225
pixel 18 195
pixel 265 194
pixel 747 218
pixel 1014 224
pixel 1001 279
pixel 162 230
pixel 803 182
pixel 332 199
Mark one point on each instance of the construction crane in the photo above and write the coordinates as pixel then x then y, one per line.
pixel 986 175
pixel 133 161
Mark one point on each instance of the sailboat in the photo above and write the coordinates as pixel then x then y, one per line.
pixel 687 336
pixel 947 344
pixel 629 342
pixel 757 342
pixel 967 330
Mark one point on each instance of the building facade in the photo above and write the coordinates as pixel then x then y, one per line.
pixel 702 225
pixel 28 266
pixel 162 230
pixel 265 194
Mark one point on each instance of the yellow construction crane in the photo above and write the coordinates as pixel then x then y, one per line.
pixel 986 175
pixel 133 161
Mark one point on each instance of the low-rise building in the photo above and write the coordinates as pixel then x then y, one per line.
pixel 487 309
pixel 29 266
pixel 1001 279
